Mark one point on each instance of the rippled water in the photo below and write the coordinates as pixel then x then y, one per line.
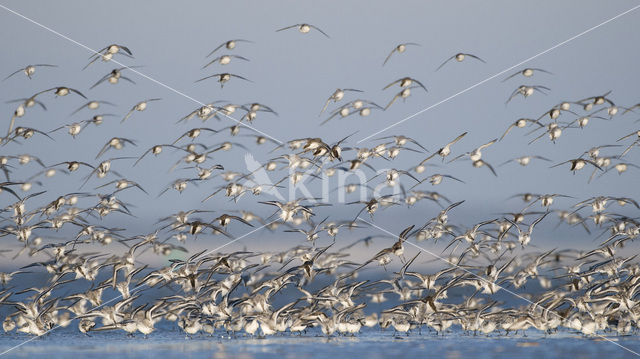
pixel 370 344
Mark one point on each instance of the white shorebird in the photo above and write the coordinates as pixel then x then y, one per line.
pixel 224 78
pixel 527 72
pixel 399 49
pixel 224 60
pixel 304 28
pixel 28 70
pixel 459 57
pixel 229 45
pixel 107 53
pixel 140 106
pixel 336 96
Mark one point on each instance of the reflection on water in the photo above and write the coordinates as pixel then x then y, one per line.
pixel 371 344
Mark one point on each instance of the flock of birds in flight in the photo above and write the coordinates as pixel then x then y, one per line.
pixel 594 292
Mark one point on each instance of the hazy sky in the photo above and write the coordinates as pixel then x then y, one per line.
pixel 295 73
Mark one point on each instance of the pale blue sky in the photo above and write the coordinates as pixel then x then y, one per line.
pixel 295 73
